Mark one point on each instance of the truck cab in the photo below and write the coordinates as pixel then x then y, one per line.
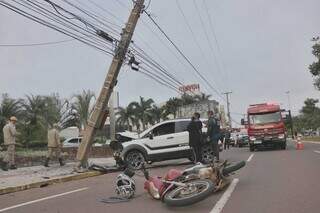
pixel 266 126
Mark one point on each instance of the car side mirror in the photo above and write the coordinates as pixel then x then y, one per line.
pixel 150 136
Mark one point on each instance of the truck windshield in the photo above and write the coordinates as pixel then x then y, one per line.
pixel 265 118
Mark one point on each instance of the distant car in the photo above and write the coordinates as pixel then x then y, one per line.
pixel 75 142
pixel 233 138
pixel 243 140
pixel 166 140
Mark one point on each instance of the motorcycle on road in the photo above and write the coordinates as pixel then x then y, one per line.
pixel 181 188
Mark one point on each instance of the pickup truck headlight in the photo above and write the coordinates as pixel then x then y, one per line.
pixel 281 136
pixel 252 138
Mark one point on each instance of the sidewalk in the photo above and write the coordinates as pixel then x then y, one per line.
pixel 39 176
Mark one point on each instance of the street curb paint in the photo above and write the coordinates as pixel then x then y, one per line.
pixel 225 197
pixel 50 182
pixel 250 157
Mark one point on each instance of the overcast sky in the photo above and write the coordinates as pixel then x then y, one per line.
pixel 265 50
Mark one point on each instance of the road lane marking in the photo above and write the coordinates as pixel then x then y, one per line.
pixel 250 157
pixel 311 142
pixel 225 197
pixel 42 199
pixel 316 151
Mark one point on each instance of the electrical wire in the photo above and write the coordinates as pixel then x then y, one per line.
pixel 49 25
pixel 194 37
pixel 184 56
pixel 208 39
pixel 37 44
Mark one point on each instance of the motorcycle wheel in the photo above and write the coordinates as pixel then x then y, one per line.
pixel 195 191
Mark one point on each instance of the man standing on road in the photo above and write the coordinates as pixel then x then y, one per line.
pixel 9 135
pixel 227 136
pixel 54 145
pixel 213 133
pixel 195 136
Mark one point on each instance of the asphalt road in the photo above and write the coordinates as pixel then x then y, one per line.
pixel 273 181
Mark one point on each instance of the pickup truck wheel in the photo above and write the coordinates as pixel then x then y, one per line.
pixel 134 159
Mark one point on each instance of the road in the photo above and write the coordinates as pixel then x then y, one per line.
pixel 273 181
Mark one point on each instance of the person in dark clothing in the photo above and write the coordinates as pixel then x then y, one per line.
pixel 227 136
pixel 213 133
pixel 195 136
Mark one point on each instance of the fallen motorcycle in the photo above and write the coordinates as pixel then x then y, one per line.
pixel 181 188
pixel 218 173
pixel 177 189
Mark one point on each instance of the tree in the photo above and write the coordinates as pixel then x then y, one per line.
pixel 202 97
pixel 8 107
pixel 81 107
pixel 172 106
pixel 125 117
pixel 142 110
pixel 314 68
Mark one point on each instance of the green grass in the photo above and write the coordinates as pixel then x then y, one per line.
pixel 312 138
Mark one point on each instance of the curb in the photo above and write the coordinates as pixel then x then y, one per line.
pixel 50 182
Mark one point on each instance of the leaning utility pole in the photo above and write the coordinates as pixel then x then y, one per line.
pixel 228 108
pixel 100 111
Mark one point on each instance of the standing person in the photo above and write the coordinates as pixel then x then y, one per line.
pixel 54 145
pixel 9 135
pixel 195 136
pixel 227 138
pixel 213 133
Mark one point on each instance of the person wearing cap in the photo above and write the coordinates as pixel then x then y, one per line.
pixel 54 145
pixel 9 136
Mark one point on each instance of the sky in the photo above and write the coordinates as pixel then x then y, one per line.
pixel 260 50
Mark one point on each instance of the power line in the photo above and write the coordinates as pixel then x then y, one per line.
pixel 193 35
pixel 184 56
pixel 37 44
pixel 215 38
pixel 50 25
pixel 208 38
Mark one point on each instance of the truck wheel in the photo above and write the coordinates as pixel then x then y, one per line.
pixel 251 148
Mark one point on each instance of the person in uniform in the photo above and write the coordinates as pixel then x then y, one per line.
pixel 195 136
pixel 213 133
pixel 54 145
pixel 9 135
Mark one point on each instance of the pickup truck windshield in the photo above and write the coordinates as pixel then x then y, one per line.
pixel 265 118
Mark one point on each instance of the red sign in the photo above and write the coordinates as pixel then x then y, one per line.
pixel 190 88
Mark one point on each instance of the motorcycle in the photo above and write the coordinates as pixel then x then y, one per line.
pixel 176 188
pixel 192 185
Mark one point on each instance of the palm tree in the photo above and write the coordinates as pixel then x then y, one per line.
pixel 202 97
pixel 157 114
pixel 82 107
pixel 172 106
pixel 34 110
pixel 125 117
pixel 142 110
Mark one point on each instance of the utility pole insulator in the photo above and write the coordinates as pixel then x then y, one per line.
pixel 97 117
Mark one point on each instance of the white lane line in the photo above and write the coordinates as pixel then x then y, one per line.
pixel 250 157
pixel 316 151
pixel 225 197
pixel 42 199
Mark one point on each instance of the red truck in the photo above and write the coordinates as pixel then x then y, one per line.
pixel 265 126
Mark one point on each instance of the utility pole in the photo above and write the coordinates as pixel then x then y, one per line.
pixel 228 108
pixel 100 111
pixel 289 101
